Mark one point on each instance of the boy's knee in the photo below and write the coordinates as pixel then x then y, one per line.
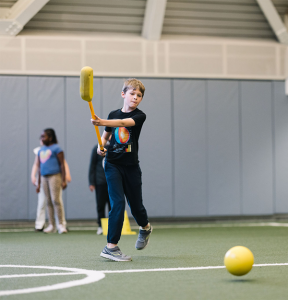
pixel 118 207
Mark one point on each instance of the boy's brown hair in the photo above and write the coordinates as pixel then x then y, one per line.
pixel 133 83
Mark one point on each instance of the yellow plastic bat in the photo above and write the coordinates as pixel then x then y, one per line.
pixel 86 92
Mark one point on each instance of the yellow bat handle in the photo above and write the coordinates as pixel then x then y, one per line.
pixel 96 127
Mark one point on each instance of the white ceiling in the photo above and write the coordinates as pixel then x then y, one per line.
pixel 223 18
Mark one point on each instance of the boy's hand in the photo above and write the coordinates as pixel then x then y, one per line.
pixel 38 189
pixel 64 185
pixel 101 153
pixel 96 121
pixel 92 188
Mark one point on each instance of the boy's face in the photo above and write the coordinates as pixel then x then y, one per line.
pixel 132 98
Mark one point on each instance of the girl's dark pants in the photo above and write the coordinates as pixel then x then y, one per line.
pixel 102 198
pixel 124 180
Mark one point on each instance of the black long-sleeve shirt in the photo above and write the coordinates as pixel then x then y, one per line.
pixel 96 171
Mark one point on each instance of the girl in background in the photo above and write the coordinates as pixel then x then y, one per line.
pixel 42 203
pixel 52 175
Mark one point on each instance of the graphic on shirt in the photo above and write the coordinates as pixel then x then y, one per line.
pixel 122 135
pixel 45 155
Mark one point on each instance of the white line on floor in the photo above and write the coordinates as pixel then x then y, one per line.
pixel 186 269
pixel 91 276
pixel 37 275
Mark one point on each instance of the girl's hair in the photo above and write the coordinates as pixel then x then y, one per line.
pixel 51 133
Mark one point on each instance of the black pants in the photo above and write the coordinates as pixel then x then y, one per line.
pixel 124 181
pixel 102 198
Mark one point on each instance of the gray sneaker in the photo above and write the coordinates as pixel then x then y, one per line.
pixel 114 254
pixel 143 238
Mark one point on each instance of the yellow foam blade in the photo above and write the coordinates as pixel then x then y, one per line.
pixel 86 84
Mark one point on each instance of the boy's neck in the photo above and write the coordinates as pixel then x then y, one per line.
pixel 127 109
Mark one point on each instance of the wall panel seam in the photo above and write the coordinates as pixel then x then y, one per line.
pixel 28 143
pixel 65 133
pixel 240 146
pixel 273 145
pixel 101 97
pixel 173 148
pixel 207 194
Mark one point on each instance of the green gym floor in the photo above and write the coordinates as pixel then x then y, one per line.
pixel 185 246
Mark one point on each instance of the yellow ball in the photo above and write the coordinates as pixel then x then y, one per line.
pixel 239 260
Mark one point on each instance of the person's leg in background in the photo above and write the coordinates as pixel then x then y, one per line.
pixel 51 219
pixel 41 211
pixel 102 197
pixel 64 223
pixel 55 189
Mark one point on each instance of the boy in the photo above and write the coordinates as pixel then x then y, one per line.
pixel 122 170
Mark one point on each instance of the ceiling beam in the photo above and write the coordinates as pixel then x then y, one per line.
pixel 19 15
pixel 153 19
pixel 274 20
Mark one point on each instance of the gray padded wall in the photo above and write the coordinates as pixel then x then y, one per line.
pixel 81 138
pixel 156 148
pixel 256 146
pixel 208 147
pixel 46 109
pixel 111 95
pixel 190 138
pixel 13 148
pixel 281 147
pixel 223 148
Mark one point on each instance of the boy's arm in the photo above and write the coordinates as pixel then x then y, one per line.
pixel 129 122
pixel 105 138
